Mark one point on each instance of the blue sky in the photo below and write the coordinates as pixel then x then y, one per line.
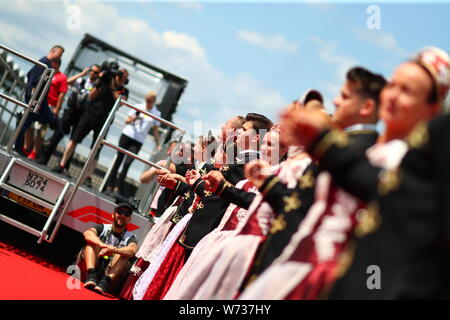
pixel 316 43
pixel 263 54
pixel 239 56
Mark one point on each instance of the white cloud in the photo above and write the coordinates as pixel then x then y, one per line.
pixel 327 51
pixel 381 39
pixel 268 41
pixel 319 4
pixel 210 96
pixel 190 5
pixel 185 42
pixel 263 100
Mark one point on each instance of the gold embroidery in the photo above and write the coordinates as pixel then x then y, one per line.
pixel 418 136
pixel 389 180
pixel 251 279
pixel 307 180
pixel 340 139
pixel 207 193
pixel 182 240
pixel 200 205
pixel 203 172
pixel 345 260
pixel 334 137
pixel 199 183
pixel 368 220
pixel 292 202
pixel 367 131
pixel 224 168
pixel 270 186
pixel 176 218
pixel 225 185
pixel 187 195
pixel 278 224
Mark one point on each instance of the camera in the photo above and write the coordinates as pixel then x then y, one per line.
pixel 109 69
pixel 78 96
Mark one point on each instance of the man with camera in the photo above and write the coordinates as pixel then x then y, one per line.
pixel 76 104
pixel 122 81
pixel 101 100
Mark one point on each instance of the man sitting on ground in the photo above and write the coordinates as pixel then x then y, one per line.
pixel 109 247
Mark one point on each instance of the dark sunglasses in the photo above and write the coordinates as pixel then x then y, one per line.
pixel 125 212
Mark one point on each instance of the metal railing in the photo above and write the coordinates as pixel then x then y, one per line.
pixel 60 207
pixel 148 191
pixel 101 140
pixel 33 105
pixel 37 96
pixel 17 85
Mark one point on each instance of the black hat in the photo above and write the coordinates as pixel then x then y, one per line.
pixel 311 94
pixel 124 206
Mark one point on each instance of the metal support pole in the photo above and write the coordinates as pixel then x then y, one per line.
pixel 16 53
pixel 12 115
pixel 153 189
pixel 3 78
pixel 131 154
pixel 46 76
pixel 21 123
pixel 11 71
pixel 151 115
pixel 88 163
pixel 52 216
pixel 108 173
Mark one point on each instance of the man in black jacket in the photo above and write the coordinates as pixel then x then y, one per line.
pixel 404 251
pixel 44 114
pixel 211 208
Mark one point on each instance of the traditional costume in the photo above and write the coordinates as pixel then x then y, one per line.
pixel 206 216
pixel 308 264
pixel 225 267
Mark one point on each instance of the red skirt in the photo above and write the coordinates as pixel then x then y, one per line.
pixel 316 285
pixel 127 289
pixel 166 273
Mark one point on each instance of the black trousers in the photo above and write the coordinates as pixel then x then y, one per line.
pixel 129 144
pixel 69 121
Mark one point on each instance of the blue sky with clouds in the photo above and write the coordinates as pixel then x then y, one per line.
pixel 239 56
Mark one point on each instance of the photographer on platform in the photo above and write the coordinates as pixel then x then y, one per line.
pixel 122 81
pixel 76 104
pixel 102 98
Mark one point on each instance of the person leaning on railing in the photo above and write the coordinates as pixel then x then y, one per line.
pixel 132 139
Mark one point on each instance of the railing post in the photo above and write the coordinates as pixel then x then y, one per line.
pixel 89 161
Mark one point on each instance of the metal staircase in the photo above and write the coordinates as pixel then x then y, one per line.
pixel 51 192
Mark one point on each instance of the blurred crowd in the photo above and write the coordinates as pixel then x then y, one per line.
pixel 311 206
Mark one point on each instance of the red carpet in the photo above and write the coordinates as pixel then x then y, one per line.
pixel 25 277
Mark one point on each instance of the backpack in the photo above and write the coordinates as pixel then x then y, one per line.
pixel 78 97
